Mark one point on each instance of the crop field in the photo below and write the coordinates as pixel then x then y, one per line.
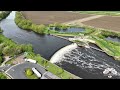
pixel 106 22
pixel 50 17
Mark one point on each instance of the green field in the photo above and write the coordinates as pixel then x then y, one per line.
pixel 112 13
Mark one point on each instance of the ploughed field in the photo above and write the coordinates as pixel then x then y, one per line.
pixel 106 22
pixel 50 17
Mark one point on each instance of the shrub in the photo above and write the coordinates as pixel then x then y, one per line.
pixel 29 72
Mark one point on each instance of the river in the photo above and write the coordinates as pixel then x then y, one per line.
pixel 83 62
pixel 45 45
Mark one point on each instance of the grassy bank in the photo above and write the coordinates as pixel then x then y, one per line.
pixel 4 14
pixel 109 48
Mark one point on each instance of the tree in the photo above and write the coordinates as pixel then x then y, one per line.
pixel 2 76
pixel 41 29
pixel 1 60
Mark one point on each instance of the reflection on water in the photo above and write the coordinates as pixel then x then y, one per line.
pixel 115 39
pixel 69 29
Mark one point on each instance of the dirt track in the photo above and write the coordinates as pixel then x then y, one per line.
pixel 48 17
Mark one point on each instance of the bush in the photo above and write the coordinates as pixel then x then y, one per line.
pixel 29 72
pixel 4 14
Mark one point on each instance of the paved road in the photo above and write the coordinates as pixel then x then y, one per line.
pixel 17 72
pixel 6 67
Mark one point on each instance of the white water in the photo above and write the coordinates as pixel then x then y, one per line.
pixel 59 54
pixel 89 61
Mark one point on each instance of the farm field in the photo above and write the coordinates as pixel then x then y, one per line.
pixel 49 17
pixel 106 22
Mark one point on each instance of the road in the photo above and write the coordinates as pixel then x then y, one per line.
pixel 4 68
pixel 17 71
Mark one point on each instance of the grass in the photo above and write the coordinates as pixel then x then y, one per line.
pixel 112 13
pixel 59 71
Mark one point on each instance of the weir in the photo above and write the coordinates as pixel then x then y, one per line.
pixel 56 57
pixel 97 49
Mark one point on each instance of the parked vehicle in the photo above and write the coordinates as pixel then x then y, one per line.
pixel 30 60
pixel 36 72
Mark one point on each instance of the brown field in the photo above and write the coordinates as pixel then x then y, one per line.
pixel 106 22
pixel 49 17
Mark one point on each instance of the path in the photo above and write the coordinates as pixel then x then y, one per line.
pixel 83 19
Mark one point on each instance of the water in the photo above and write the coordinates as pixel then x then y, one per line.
pixel 115 39
pixel 88 63
pixel 70 30
pixel 45 45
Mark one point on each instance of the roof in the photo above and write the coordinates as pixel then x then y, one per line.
pixel 49 75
